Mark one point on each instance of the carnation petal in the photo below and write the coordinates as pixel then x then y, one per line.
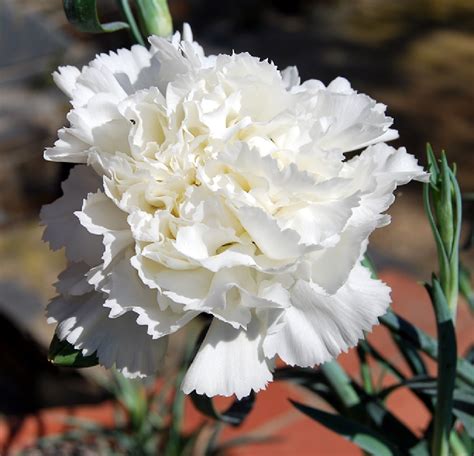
pixel 100 216
pixel 230 361
pixel 274 242
pixel 127 293
pixel 68 148
pixel 66 79
pixel 119 342
pixel 318 326
pixel 63 228
pixel 331 267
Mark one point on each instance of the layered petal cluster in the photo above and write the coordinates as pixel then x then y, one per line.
pixel 217 185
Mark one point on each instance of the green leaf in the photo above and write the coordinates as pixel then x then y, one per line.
pixel 391 425
pixel 341 383
pixel 384 363
pixel 128 14
pixel 463 409
pixel 357 433
pixel 311 379
pixel 83 15
pixel 467 419
pixel 419 383
pixel 234 415
pixel 411 356
pixel 465 285
pixel 443 419
pixel 62 353
pixel 365 371
pixel 425 343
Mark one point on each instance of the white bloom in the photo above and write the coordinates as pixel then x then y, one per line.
pixel 218 185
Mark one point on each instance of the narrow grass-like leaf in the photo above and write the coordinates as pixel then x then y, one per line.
pixel 128 14
pixel 341 383
pixel 420 383
pixel 467 419
pixel 425 343
pixel 362 436
pixel 443 419
pixel 62 353
pixel 83 15
pixel 411 356
pixel 465 285
pixel 311 379
pixel 365 371
pixel 382 418
pixel 382 361
pixel 234 415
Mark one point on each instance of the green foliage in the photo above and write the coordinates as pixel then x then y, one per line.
pixel 361 435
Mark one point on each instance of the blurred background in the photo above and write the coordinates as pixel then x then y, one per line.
pixel 416 56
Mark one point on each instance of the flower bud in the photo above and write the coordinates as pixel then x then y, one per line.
pixel 155 17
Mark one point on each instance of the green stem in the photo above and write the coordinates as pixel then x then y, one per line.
pixel 127 12
pixel 446 371
pixel 456 445
pixel 365 375
pixel 341 383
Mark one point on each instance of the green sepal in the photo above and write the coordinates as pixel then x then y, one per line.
pixel 62 353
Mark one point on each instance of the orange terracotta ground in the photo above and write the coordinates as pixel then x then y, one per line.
pixel 284 429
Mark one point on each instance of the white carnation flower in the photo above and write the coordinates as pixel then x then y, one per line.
pixel 217 185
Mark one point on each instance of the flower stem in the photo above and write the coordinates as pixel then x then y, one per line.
pixel 134 29
pixel 341 383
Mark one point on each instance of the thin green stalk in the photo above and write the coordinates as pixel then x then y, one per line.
pixel 341 383
pixel 134 29
pixel 453 295
pixel 456 445
pixel 443 416
pixel 213 440
pixel 365 374
pixel 384 363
